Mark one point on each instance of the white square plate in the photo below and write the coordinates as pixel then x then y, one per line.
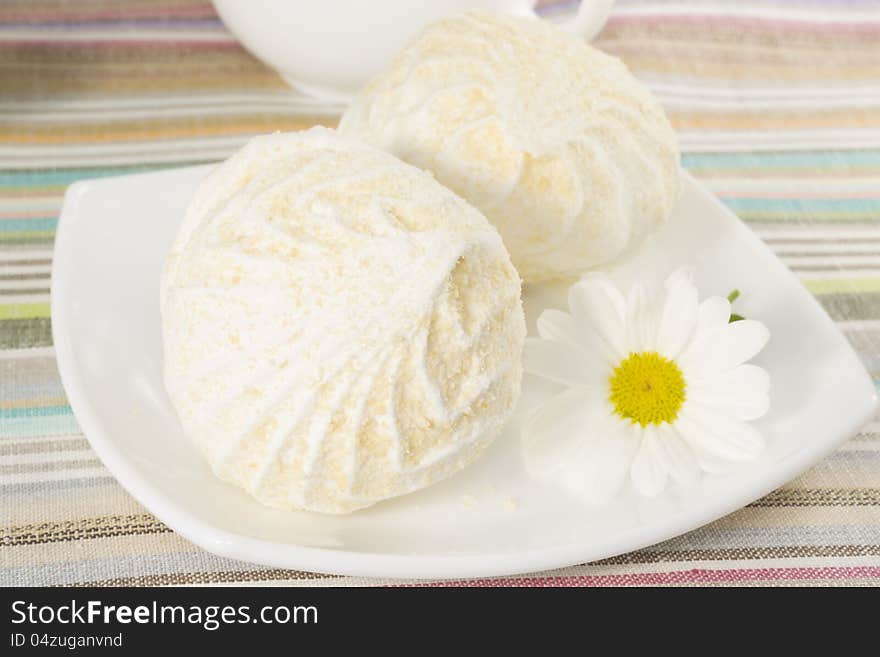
pixel 492 518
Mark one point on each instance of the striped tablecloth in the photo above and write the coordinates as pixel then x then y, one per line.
pixel 778 107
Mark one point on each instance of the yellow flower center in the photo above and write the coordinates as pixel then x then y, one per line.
pixel 647 388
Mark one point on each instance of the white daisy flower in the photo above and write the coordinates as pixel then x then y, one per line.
pixel 658 388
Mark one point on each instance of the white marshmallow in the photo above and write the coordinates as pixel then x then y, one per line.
pixel 339 328
pixel 562 149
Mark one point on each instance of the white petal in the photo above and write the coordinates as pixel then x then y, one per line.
pixel 596 303
pixel 724 349
pixel 557 325
pixel 560 326
pixel 716 465
pixel 641 318
pixel 678 319
pixel 743 392
pixel 649 473
pixel 713 313
pixel 558 361
pixel 663 454
pixel 597 471
pixel 715 434
pixel 680 460
pixel 556 429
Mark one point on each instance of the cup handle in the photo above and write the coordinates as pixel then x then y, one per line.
pixel 590 18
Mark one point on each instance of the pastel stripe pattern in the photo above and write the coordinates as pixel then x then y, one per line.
pixel 777 104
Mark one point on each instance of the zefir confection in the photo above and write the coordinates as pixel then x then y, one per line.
pixel 339 328
pixel 563 150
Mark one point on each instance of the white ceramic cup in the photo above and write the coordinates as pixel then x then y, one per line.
pixel 330 48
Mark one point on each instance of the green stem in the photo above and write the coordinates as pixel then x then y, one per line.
pixel 733 296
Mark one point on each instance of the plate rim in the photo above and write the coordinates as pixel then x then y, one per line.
pixel 368 564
